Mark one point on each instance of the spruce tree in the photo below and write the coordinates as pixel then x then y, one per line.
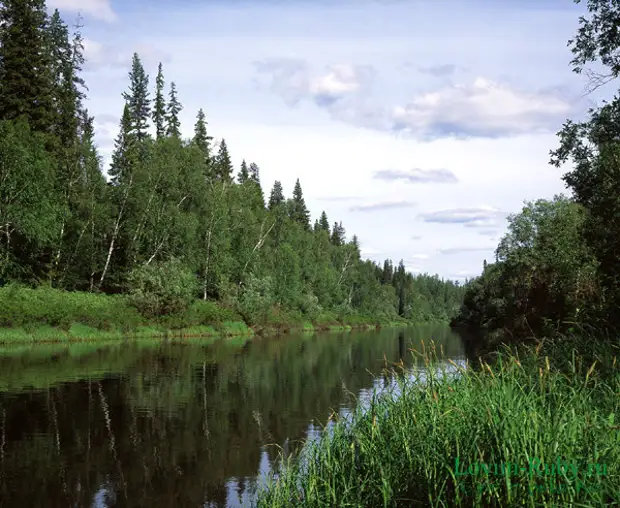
pixel 244 174
pixel 299 211
pixel 174 108
pixel 159 107
pixel 323 222
pixel 255 174
pixel 137 98
pixel 67 60
pixel 201 139
pixel 223 165
pixel 338 235
pixel 123 149
pixel 276 197
pixel 26 74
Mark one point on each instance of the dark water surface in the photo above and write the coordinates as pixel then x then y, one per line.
pixel 156 424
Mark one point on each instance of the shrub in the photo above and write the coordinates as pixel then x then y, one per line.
pixel 165 288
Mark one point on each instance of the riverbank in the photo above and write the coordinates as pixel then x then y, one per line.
pixel 45 315
pixel 537 426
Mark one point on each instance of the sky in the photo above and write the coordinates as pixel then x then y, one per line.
pixel 421 125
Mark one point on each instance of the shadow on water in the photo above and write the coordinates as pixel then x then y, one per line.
pixel 169 424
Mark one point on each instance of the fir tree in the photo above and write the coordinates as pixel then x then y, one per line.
pixel 159 107
pixel 26 74
pixel 223 165
pixel 138 98
pixel 201 139
pixel 244 174
pixel 174 108
pixel 299 211
pixel 323 222
pixel 276 197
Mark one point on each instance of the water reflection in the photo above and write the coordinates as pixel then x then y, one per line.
pixel 162 424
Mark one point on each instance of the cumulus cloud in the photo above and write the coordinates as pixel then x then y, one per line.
pixel 340 89
pixel 383 205
pixel 98 9
pixel 99 56
pixel 417 175
pixel 420 256
pixel 483 217
pixel 482 108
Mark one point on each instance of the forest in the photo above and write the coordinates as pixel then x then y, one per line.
pixel 171 227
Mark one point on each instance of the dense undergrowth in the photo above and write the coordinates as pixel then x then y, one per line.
pixel 542 420
pixel 46 314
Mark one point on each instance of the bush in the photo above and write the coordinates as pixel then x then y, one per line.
pixel 165 288
pixel 256 301
pixel 29 308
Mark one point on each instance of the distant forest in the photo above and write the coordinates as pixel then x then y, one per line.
pixel 169 210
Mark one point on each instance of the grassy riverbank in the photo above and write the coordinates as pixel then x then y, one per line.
pixel 50 315
pixel 524 410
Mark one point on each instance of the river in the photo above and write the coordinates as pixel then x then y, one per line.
pixel 149 423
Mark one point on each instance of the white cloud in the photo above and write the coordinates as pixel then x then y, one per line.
pixel 417 175
pixel 98 9
pixel 482 108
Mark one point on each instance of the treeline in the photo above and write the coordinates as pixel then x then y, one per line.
pixel 173 220
pixel 558 268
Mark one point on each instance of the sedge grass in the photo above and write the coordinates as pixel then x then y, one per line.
pixel 410 447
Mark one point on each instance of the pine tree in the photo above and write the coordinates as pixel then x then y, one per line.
pixel 299 211
pixel 244 174
pixel 174 108
pixel 223 165
pixel 159 107
pixel 323 222
pixel 276 197
pixel 201 139
pixel 26 80
pixel 123 149
pixel 138 98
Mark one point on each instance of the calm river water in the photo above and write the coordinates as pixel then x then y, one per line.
pixel 160 424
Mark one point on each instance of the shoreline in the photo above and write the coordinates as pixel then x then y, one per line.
pixel 45 334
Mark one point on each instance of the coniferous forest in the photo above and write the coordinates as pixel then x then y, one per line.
pixel 171 226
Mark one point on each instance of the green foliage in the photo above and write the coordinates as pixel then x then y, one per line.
pixel 26 307
pixel 159 106
pixel 162 288
pixel 173 109
pixel 257 300
pixel 137 98
pixel 544 276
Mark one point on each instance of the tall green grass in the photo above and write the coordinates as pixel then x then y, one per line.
pixel 411 446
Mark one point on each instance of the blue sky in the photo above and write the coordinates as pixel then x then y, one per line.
pixel 419 124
